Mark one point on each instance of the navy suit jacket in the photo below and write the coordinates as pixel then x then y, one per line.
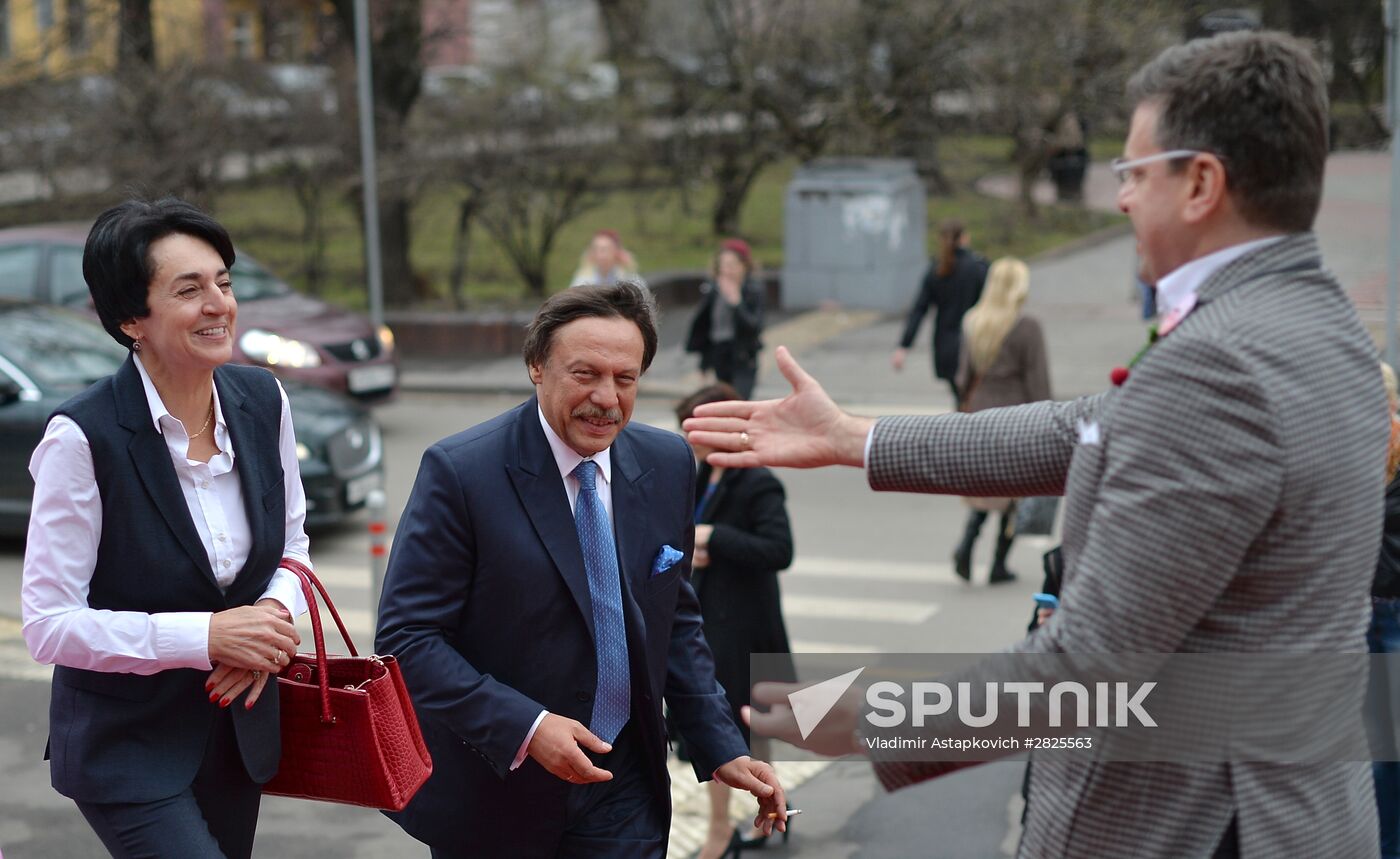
pixel 486 605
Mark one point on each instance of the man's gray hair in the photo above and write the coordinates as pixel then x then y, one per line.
pixel 1259 102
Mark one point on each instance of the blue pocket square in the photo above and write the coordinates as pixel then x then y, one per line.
pixel 665 560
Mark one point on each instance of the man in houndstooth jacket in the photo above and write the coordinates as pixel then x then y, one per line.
pixel 1224 497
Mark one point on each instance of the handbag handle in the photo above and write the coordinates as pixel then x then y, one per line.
pixel 308 580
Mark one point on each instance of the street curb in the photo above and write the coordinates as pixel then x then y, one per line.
pixel 1098 237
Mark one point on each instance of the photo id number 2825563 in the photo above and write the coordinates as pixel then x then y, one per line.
pixel 1060 743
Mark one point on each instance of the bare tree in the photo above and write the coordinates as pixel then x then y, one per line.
pixel 748 82
pixel 150 132
pixel 900 56
pixel 530 158
pixel 308 144
pixel 1044 59
pixel 136 40
pixel 396 44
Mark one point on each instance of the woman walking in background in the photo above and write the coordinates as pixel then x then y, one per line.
pixel 742 541
pixel 951 286
pixel 605 262
pixel 1002 362
pixel 728 321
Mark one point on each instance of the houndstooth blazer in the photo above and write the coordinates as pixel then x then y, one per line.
pixel 1227 498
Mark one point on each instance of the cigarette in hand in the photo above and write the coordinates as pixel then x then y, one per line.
pixel 773 815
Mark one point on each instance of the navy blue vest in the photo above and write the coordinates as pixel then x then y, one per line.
pixel 138 738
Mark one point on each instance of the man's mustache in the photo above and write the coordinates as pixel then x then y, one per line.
pixel 590 411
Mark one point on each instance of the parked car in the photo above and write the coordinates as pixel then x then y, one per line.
pixel 48 354
pixel 296 336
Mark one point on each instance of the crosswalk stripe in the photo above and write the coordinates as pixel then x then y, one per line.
pixel 803 645
pixel 857 608
pixel 865 570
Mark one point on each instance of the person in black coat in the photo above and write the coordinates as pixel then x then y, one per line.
pixel 742 541
pixel 726 327
pixel 952 285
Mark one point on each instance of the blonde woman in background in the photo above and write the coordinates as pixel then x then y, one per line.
pixel 1001 362
pixel 605 262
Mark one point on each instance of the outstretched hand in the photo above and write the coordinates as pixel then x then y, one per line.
pixel 805 429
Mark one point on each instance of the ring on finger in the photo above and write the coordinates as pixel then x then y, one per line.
pixel 257 675
pixel 745 441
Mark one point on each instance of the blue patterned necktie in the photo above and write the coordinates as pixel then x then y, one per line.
pixel 612 702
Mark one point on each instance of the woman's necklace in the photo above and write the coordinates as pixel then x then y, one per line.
pixel 206 421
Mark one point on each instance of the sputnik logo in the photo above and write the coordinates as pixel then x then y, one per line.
pixel 810 705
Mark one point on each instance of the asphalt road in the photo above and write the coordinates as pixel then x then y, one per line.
pixel 871 575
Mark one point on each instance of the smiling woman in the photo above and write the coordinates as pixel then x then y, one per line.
pixel 164 497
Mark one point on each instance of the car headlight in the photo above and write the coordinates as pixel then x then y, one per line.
pixel 303 452
pixel 386 338
pixel 278 351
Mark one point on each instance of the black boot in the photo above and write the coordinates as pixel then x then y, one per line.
pixel 962 555
pixel 1005 537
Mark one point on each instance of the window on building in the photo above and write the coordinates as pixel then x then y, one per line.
pixel 4 28
pixel 43 15
pixel 75 25
pixel 242 36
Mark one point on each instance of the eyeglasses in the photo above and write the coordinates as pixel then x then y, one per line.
pixel 1123 169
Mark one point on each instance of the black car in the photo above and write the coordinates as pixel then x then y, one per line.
pixel 47 355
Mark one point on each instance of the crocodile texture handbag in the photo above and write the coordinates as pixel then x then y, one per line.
pixel 349 733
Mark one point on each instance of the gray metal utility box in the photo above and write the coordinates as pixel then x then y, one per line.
pixel 855 233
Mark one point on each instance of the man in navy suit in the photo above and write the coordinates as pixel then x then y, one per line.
pixel 538 601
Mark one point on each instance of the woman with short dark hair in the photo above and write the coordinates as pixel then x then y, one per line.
pixel 164 498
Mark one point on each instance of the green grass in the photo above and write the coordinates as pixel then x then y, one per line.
pixel 656 226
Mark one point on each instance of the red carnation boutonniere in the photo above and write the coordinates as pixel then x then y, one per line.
pixel 1119 375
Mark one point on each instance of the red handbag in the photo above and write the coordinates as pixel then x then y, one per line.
pixel 349 733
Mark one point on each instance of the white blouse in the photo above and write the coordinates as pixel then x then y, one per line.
pixel 65 525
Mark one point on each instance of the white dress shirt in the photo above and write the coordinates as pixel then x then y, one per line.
pixel 568 459
pixel 1181 285
pixel 65 526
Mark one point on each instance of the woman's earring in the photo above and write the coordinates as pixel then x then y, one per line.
pixel 136 345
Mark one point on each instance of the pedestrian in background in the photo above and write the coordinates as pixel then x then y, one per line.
pixel 742 541
pixel 164 497
pixel 727 325
pixel 952 285
pixel 1001 362
pixel 605 262
pixel 1383 636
